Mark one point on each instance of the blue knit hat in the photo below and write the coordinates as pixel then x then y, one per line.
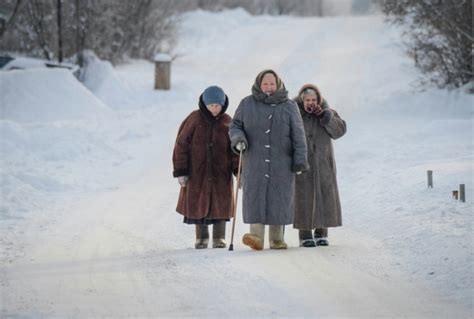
pixel 213 94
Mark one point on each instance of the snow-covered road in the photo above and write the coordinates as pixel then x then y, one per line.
pixel 124 254
pixel 120 250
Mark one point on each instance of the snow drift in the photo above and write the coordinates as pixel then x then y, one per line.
pixel 46 95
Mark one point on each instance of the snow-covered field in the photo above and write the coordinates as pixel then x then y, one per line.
pixel 87 221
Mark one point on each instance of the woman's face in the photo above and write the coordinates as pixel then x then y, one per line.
pixel 309 102
pixel 268 85
pixel 214 108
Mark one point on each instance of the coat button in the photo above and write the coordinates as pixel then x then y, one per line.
pixel 267 131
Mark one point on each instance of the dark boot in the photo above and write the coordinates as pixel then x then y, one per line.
pixel 202 237
pixel 218 234
pixel 321 236
pixel 306 238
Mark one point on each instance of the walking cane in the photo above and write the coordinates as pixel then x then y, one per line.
pixel 231 246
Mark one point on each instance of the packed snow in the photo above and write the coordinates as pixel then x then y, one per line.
pixel 87 218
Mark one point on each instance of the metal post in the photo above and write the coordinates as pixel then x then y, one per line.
pixel 462 194
pixel 430 179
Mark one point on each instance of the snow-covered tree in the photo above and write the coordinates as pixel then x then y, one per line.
pixel 112 29
pixel 440 37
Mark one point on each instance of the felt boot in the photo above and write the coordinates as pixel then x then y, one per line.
pixel 218 234
pixel 202 237
pixel 255 239
pixel 276 236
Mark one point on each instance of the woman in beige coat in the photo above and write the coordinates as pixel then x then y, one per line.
pixel 317 204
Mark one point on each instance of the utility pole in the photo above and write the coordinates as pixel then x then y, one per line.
pixel 60 37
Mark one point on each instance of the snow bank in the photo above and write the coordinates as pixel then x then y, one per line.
pixel 46 95
pixel 54 138
pixel 99 77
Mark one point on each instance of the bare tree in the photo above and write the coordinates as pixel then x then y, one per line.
pixel 40 17
pixel 113 29
pixel 8 17
pixel 440 37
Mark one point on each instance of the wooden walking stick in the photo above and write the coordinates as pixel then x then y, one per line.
pixel 234 213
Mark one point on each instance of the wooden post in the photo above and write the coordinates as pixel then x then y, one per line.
pixel 162 71
pixel 455 195
pixel 430 179
pixel 462 194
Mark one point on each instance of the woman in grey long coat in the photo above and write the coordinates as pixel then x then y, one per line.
pixel 268 127
pixel 317 204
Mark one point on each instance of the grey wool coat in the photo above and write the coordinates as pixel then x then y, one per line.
pixel 272 128
pixel 317 202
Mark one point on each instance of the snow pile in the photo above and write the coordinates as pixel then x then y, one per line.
pixel 46 95
pixel 99 77
pixel 54 138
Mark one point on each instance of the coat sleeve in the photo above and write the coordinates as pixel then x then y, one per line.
pixel 334 125
pixel 236 129
pixel 300 151
pixel 182 148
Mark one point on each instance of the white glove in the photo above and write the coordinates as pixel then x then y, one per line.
pixel 183 180
pixel 240 146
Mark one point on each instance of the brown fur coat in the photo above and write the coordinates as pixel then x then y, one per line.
pixel 202 152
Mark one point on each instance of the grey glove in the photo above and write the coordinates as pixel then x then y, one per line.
pixel 183 180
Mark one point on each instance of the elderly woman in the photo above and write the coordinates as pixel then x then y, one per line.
pixel 203 162
pixel 267 127
pixel 317 203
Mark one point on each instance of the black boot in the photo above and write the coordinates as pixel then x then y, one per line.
pixel 218 234
pixel 321 236
pixel 202 237
pixel 306 238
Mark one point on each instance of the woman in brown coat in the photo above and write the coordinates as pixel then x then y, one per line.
pixel 317 203
pixel 203 162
